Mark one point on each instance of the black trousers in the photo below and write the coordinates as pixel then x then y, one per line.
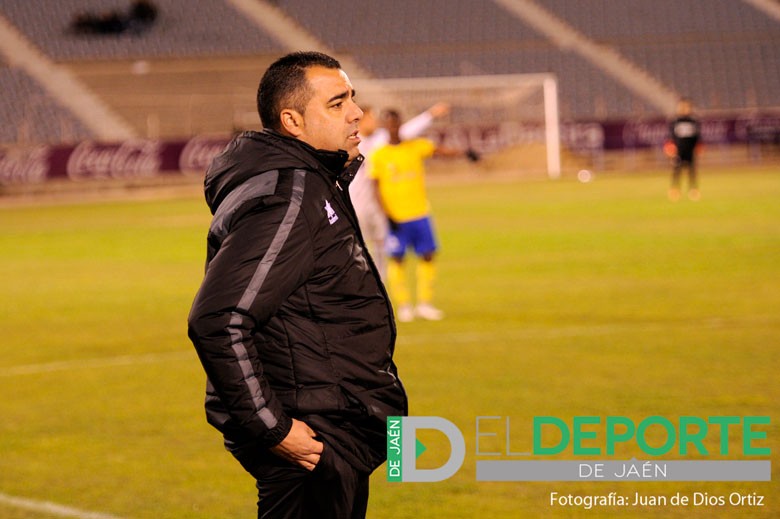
pixel 333 490
pixel 679 164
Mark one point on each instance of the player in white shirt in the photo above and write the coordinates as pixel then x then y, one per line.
pixel 372 219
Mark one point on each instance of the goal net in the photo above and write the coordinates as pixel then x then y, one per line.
pixel 511 120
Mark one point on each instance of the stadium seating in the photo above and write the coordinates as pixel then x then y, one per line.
pixel 184 28
pixel 725 55
pixel 180 77
pixel 639 20
pixel 30 116
pixel 194 70
pixel 452 38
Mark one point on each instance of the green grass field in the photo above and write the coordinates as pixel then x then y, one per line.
pixel 562 299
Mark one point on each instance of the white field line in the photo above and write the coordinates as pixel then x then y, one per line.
pixel 51 508
pixel 519 333
pixel 151 358
pixel 127 360
pixel 462 338
pixel 527 333
pixel 121 360
pixel 480 337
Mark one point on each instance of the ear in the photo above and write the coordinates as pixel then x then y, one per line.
pixel 292 122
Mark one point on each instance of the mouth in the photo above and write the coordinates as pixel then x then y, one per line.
pixel 354 137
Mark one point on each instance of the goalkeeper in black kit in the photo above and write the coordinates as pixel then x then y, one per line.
pixel 684 132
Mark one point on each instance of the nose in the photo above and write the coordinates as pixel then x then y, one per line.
pixel 357 113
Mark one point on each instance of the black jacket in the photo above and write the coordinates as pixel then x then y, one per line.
pixel 685 132
pixel 292 320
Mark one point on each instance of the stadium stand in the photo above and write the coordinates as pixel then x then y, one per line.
pixel 183 28
pixel 195 68
pixel 189 73
pixel 173 98
pixel 452 38
pixel 637 20
pixel 723 54
pixel 30 116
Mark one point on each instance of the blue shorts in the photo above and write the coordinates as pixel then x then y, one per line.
pixel 416 233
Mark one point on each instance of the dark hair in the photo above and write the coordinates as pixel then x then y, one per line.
pixel 284 85
pixel 391 113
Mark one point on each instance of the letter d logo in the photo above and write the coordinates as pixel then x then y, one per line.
pixel 402 448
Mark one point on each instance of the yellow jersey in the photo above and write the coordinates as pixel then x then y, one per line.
pixel 399 170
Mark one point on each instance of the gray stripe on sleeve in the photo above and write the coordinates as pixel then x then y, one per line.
pixel 258 279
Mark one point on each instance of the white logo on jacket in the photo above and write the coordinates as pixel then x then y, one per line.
pixel 332 216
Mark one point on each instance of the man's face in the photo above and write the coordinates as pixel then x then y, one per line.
pixel 331 119
pixel 392 123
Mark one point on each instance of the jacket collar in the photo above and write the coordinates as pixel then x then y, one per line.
pixel 332 163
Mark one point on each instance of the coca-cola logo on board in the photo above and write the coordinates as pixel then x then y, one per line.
pixel 199 152
pixel 24 167
pixel 129 159
pixel 645 133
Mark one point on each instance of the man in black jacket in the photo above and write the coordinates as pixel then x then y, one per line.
pixel 684 131
pixel 292 323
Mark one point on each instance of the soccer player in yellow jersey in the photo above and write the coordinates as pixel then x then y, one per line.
pixel 398 169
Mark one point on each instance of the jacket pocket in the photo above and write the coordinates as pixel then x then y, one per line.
pixel 324 400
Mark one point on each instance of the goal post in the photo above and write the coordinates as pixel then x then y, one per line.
pixel 489 113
